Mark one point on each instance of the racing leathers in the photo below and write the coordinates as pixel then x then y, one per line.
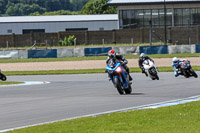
pixel 176 67
pixel 140 62
pixel 123 62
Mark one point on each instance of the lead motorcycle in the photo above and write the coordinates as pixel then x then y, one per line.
pixel 150 69
pixel 119 76
pixel 2 76
pixel 186 69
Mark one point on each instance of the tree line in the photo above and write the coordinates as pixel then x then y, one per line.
pixel 54 7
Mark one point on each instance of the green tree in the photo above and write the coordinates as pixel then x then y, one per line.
pixel 78 4
pixel 23 9
pixel 98 7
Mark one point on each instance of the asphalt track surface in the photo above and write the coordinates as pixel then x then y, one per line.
pixel 70 96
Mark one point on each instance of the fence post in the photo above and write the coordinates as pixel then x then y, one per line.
pixel 86 37
pixel 198 35
pixel 114 36
pixel 13 39
pixel 7 44
pixel 58 36
pixel 131 40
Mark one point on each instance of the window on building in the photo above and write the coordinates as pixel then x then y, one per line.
pixel 139 18
pixel 101 28
pixel 28 31
pixel 147 18
pixel 155 18
pixel 162 17
pixel 178 14
pixel 75 29
pixel 193 16
pixel 9 31
pixel 186 17
pixel 169 17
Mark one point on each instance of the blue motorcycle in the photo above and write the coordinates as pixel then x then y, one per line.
pixel 119 76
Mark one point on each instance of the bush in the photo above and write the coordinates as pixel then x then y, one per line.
pixel 68 41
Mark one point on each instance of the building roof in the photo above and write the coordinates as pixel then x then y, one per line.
pixel 60 18
pixel 124 2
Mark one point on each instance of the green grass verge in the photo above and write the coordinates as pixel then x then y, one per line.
pixel 84 71
pixel 9 83
pixel 183 118
pixel 182 55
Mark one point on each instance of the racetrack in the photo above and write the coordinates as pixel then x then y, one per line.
pixel 70 96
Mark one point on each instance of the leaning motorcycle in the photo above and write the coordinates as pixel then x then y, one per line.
pixel 186 69
pixel 150 69
pixel 2 76
pixel 119 76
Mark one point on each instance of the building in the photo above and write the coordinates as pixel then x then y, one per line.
pixel 50 24
pixel 143 13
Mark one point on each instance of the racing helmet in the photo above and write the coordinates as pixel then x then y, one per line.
pixel 142 55
pixel 175 60
pixel 111 53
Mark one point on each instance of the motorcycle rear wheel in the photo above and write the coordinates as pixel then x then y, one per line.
pixel 185 74
pixel 118 86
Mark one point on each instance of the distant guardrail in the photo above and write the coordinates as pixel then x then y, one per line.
pixel 100 51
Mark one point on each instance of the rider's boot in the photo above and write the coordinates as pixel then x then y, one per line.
pixel 146 74
pixel 130 78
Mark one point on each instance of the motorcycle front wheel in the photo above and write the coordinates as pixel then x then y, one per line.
pixel 2 77
pixel 193 73
pixel 118 86
pixel 128 90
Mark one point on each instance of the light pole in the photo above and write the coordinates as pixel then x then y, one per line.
pixel 165 23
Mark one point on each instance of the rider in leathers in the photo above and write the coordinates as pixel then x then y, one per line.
pixel 112 54
pixel 142 58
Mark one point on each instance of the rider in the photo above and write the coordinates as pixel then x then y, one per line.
pixel 142 58
pixel 112 54
pixel 176 64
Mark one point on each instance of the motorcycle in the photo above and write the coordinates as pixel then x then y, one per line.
pixel 119 76
pixel 186 69
pixel 150 69
pixel 2 76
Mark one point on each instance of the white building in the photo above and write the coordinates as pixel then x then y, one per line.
pixel 49 24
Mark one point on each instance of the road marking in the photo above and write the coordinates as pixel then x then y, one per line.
pixel 28 83
pixel 148 106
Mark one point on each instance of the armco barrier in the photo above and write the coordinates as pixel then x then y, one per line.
pixel 154 49
pixel 65 52
pixel 181 49
pixel 126 50
pixel 198 48
pixel 47 53
pixel 97 51
pixel 13 54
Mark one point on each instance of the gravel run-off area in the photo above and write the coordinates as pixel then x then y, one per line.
pixel 86 64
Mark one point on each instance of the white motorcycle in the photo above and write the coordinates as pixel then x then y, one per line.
pixel 150 69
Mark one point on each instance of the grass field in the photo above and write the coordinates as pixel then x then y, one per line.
pixel 183 118
pixel 9 83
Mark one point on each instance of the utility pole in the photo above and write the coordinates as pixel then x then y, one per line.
pixel 165 23
pixel 150 32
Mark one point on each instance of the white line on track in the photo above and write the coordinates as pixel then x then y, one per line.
pixel 28 83
pixel 149 106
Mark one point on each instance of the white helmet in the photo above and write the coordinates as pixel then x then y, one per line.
pixel 142 55
pixel 175 60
